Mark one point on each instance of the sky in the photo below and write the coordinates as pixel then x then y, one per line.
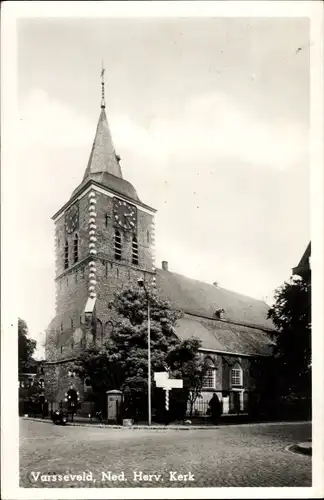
pixel 211 119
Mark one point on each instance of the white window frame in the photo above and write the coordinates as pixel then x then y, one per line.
pixel 211 377
pixel 236 376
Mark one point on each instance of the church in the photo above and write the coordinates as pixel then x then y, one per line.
pixel 104 238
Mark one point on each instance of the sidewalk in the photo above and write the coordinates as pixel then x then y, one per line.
pixel 85 422
pixel 194 422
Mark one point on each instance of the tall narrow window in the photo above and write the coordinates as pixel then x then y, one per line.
pixel 76 248
pixel 66 255
pixel 237 375
pixel 108 329
pixel 135 251
pixel 209 380
pixel 148 236
pixel 99 331
pixel 118 245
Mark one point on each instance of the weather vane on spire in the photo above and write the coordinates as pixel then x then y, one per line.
pixel 103 104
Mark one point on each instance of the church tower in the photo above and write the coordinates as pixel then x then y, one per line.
pixel 104 239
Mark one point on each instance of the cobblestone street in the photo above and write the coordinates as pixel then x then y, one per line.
pixel 240 455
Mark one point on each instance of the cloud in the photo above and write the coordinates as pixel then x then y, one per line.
pixel 209 127
pixel 214 127
pixel 49 123
pixel 179 161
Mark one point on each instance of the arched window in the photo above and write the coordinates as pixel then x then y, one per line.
pixel 118 245
pixel 99 331
pixel 209 380
pixel 66 255
pixel 135 251
pixel 108 329
pixel 237 375
pixel 76 248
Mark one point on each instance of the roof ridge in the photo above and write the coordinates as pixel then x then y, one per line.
pixel 213 286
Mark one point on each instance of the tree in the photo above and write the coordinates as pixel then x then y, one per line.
pixel 192 368
pixel 122 362
pixel 26 347
pixel 291 314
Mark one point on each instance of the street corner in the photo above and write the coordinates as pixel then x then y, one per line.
pixel 304 448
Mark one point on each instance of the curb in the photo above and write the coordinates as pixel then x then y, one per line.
pixel 300 449
pixel 133 427
pixel 162 427
pixel 304 448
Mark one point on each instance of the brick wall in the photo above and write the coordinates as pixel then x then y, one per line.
pixel 245 363
pixel 69 334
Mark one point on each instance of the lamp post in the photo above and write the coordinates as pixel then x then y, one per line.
pixel 141 283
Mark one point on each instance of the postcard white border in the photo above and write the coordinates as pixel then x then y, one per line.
pixel 11 11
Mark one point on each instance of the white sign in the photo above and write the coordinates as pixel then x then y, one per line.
pixel 162 380
pixel 159 377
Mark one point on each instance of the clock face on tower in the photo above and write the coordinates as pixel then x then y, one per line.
pixel 125 215
pixel 72 219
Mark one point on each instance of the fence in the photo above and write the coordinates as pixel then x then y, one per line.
pixel 232 402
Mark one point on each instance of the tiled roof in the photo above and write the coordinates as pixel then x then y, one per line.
pixel 103 165
pixel 303 268
pixel 225 337
pixel 112 182
pixel 103 156
pixel 203 299
pixel 243 329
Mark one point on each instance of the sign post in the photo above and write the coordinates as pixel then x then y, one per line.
pixel 162 380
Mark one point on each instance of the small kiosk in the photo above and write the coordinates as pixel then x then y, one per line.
pixel 114 400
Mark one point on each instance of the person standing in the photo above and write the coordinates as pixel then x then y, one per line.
pixel 215 408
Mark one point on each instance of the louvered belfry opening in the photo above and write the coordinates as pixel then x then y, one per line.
pixel 135 251
pixel 66 255
pixel 118 245
pixel 76 248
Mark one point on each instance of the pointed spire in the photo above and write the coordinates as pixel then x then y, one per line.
pixel 103 157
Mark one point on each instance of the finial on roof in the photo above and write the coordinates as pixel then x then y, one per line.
pixel 103 103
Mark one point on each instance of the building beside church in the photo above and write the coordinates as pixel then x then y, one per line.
pixel 104 238
pixel 303 269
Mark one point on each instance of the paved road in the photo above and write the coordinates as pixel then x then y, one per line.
pixel 246 455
